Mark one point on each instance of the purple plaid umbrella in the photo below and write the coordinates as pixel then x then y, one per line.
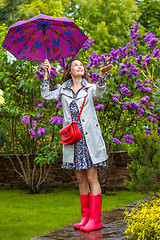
pixel 44 37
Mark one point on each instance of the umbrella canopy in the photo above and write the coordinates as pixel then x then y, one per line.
pixel 44 37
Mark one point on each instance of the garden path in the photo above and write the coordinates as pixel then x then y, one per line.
pixel 113 228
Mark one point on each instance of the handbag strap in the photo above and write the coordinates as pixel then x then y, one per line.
pixel 82 107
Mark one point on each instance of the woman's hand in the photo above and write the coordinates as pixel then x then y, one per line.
pixel 46 66
pixel 104 70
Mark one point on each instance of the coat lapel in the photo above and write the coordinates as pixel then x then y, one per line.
pixel 68 91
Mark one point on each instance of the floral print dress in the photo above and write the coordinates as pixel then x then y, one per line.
pixel 82 158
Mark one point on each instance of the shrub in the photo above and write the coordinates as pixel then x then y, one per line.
pixel 145 153
pixel 143 222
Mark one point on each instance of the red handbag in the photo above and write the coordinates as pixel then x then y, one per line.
pixel 71 134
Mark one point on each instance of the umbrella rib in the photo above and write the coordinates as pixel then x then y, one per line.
pixel 60 35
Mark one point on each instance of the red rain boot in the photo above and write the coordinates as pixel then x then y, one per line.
pixel 94 222
pixel 85 210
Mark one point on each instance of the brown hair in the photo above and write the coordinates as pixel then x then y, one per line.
pixel 67 75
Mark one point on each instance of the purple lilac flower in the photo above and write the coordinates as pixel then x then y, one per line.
pixel 109 76
pixel 127 138
pixel 128 45
pixel 125 91
pixel 40 130
pixel 62 62
pixel 133 52
pixel 150 105
pixel 116 97
pixel 124 105
pixel 53 72
pixel 124 69
pixel 38 116
pixel 139 59
pixel 146 60
pixel 103 58
pixel 122 52
pixel 148 131
pixel 133 71
pixel 95 60
pixel 123 65
pixel 141 86
pixel 151 118
pixel 99 107
pixel 59 119
pixel 116 140
pixel 144 99
pixel 59 105
pixel 40 105
pixel 113 55
pixel 54 88
pixel 156 52
pixel 128 64
pixel 147 89
pixel 134 34
pixel 152 42
pixel 158 129
pixel 133 105
pixel 40 75
pixel 26 119
pixel 87 44
pixel 32 133
pixel 53 119
pixel 34 123
pixel 140 111
pixel 95 77
pixel 150 39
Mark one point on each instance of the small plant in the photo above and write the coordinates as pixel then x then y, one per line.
pixel 143 222
pixel 145 153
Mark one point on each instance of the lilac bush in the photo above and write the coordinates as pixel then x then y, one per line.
pixel 128 99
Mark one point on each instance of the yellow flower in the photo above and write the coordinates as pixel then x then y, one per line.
pixel 1 100
pixel 1 92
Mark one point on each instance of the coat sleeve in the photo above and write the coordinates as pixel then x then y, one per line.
pixel 98 91
pixel 51 95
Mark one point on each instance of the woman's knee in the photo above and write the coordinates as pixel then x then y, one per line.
pixel 81 177
pixel 92 179
pixel 92 176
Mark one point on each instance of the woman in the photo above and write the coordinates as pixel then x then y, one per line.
pixel 89 153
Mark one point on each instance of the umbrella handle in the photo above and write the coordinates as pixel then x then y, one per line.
pixel 46 54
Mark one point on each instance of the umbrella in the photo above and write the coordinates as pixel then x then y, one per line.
pixel 44 37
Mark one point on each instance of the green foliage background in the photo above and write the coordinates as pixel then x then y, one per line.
pixel 108 22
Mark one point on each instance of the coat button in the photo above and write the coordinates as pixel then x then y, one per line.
pixel 86 133
pixel 83 120
pixel 96 125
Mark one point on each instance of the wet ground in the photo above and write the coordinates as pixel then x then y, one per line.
pixel 113 228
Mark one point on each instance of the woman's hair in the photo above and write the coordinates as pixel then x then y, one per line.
pixel 67 75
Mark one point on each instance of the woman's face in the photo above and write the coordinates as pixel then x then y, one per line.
pixel 77 69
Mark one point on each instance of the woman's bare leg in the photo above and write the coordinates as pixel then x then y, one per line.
pixel 83 181
pixel 92 177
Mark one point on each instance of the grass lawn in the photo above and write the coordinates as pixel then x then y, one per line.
pixel 24 216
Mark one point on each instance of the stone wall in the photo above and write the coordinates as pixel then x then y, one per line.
pixel 59 177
